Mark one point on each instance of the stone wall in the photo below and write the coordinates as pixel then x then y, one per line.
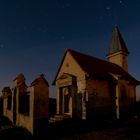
pixel 37 102
pixel 99 105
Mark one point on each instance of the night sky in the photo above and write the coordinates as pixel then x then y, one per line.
pixel 35 33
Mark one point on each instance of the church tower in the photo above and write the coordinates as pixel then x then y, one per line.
pixel 118 51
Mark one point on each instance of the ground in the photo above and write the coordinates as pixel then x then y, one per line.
pixel 76 130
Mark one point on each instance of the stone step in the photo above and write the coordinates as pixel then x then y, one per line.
pixel 58 118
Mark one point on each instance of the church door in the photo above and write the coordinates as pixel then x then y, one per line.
pixel 64 100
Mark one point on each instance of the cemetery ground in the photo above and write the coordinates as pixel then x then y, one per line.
pixel 75 130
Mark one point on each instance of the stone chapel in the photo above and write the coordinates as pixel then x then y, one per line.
pixel 89 87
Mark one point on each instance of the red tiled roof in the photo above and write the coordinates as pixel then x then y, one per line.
pixel 99 68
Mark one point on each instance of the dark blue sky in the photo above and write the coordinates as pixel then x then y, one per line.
pixel 35 33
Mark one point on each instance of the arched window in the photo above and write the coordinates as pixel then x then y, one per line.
pixel 123 95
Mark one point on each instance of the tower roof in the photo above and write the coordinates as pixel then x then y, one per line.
pixel 117 43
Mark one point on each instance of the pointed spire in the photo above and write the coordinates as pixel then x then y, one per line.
pixel 117 43
pixel 117 50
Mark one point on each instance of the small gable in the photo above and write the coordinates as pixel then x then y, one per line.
pixel 39 80
pixel 68 65
pixel 66 79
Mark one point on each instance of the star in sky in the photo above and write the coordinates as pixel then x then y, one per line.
pixel 1 46
pixel 67 5
pixel 62 37
pixel 122 3
pixel 108 8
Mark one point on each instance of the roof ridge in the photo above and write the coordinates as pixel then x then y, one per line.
pixel 70 50
pixel 93 66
